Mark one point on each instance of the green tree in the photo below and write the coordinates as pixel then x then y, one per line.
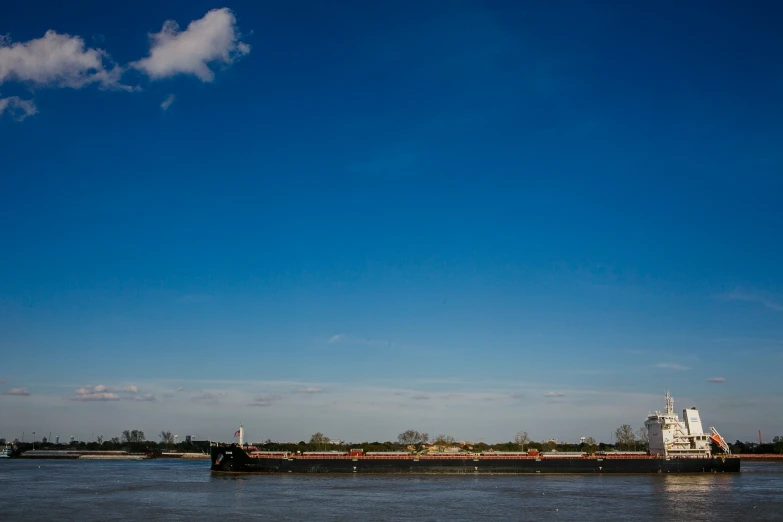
pixel 777 443
pixel 319 440
pixel 132 437
pixel 166 438
pixel 590 445
pixel 413 438
pixel 625 438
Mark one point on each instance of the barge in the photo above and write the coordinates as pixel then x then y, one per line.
pixel 675 446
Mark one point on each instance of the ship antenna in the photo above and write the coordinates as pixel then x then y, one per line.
pixel 669 403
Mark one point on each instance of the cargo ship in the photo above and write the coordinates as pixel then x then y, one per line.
pixel 675 446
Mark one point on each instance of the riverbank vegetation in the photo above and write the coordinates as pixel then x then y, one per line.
pixel 624 439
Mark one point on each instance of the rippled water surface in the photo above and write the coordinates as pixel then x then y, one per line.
pixel 186 490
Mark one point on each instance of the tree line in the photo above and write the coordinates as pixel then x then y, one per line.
pixel 625 438
pixel 412 440
pixel 129 440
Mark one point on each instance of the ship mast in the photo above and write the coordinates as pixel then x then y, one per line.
pixel 669 404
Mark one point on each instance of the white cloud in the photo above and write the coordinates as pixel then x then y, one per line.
pixel 57 60
pixel 167 102
pixel 336 338
pixel 672 366
pixel 18 108
pixel 211 39
pixel 554 394
pixel 716 379
pixel 96 397
pixel 309 390
pixel 17 391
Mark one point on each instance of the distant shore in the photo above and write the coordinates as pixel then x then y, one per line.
pixel 761 456
pixel 106 455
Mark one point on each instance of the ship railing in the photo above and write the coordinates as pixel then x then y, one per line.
pixel 507 457
pixel 615 457
pixel 621 453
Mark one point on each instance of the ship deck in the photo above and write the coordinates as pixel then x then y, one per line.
pixel 466 457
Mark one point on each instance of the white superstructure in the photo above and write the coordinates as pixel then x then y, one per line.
pixel 670 436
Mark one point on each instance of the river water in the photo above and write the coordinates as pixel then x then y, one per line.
pixel 168 489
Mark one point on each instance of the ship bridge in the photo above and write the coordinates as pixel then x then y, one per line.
pixel 671 436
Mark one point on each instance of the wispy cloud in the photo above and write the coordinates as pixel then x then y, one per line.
pixel 211 39
pixel 16 391
pixel 716 379
pixel 100 388
pixel 2 381
pixel 96 397
pixel 147 397
pixel 264 400
pixel 310 390
pixel 764 298
pixel 517 395
pixel 336 338
pixel 208 396
pixel 554 394
pixel 165 104
pixel 102 392
pixel 672 366
pixel 421 397
pixel 18 108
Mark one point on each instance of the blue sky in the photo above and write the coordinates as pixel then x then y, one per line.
pixel 467 218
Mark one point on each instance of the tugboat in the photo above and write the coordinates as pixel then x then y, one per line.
pixel 676 446
pixel 7 452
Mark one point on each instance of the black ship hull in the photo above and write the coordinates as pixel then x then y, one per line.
pixel 234 459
